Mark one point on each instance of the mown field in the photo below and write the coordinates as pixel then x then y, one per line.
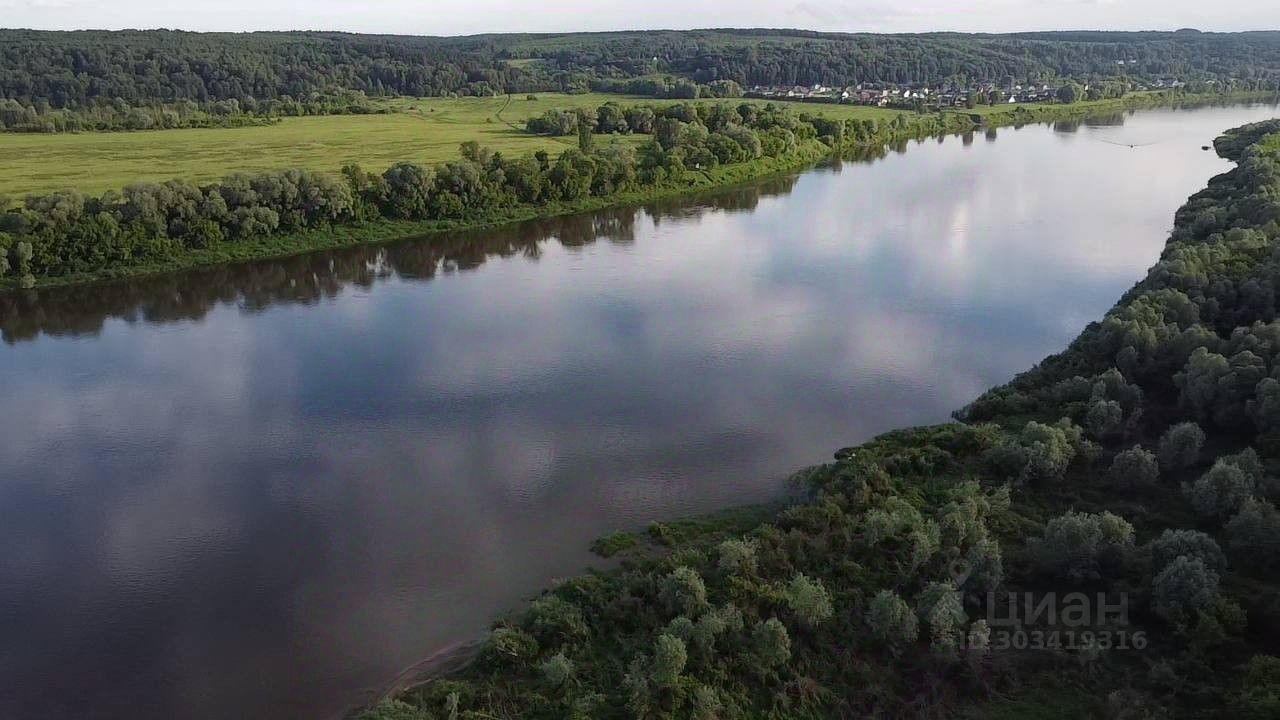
pixel 426 131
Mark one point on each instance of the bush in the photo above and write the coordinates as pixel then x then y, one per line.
pixel 1253 535
pixel 610 545
pixel 512 645
pixel 1134 468
pixel 557 670
pixel 1081 547
pixel 1260 698
pixel 942 609
pixel 669 658
pixel 737 556
pixel 1180 446
pixel 1049 448
pixel 985 567
pixel 554 621
pixel 891 620
pixel 771 643
pixel 683 592
pixel 1192 543
pixel 1220 492
pixel 1183 588
pixel 809 600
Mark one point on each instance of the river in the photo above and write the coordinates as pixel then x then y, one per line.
pixel 264 491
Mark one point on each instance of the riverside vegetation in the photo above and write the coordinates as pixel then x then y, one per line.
pixel 71 236
pixel 1139 465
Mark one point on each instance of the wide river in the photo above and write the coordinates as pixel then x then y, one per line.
pixel 265 491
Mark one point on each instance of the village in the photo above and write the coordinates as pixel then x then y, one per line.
pixel 913 96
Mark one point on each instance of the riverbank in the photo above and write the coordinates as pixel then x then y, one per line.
pixel 387 230
pixel 806 153
pixel 1064 481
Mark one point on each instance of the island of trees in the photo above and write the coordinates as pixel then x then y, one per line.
pixel 1136 470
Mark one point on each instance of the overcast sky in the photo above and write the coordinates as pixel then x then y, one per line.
pixel 454 17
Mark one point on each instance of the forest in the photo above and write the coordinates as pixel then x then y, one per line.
pixel 116 114
pixel 69 233
pixel 78 70
pixel 1134 473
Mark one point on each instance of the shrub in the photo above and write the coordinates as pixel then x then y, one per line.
pixel 683 592
pixel 1180 446
pixel 1260 698
pixel 669 658
pixel 1254 533
pixel 1050 449
pixel 557 670
pixel 1183 588
pixel 738 556
pixel 1134 468
pixel 1105 418
pixel 1192 543
pixel 1081 547
pixel 1248 462
pixel 809 600
pixel 712 625
pixel 985 567
pixel 610 545
pixel 771 643
pixel 512 645
pixel 942 609
pixel 891 620
pixel 554 621
pixel 1040 452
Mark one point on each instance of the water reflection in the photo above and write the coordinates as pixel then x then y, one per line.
pixel 262 491
pixel 307 279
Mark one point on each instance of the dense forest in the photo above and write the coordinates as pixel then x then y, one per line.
pixel 69 233
pixel 1126 487
pixel 80 69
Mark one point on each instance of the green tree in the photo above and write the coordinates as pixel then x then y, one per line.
pixel 1135 468
pixel 1174 543
pixel 891 620
pixel 941 607
pixel 1180 446
pixel 771 643
pixel 738 556
pixel 1082 547
pixel 1183 588
pixel 809 600
pixel 684 592
pixel 669 658
pixel 557 670
pixel 1253 535
pixel 1220 492
pixel 586 130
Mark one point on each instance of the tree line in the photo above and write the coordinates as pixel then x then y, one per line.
pixel 69 232
pixel 75 70
pixel 115 115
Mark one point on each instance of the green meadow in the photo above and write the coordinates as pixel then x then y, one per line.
pixel 423 130
pixel 426 130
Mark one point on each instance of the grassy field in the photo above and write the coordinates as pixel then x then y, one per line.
pixel 427 130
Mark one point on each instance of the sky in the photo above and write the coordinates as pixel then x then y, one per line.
pixel 448 17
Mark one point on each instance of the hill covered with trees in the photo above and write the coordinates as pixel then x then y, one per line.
pixel 1097 538
pixel 62 70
